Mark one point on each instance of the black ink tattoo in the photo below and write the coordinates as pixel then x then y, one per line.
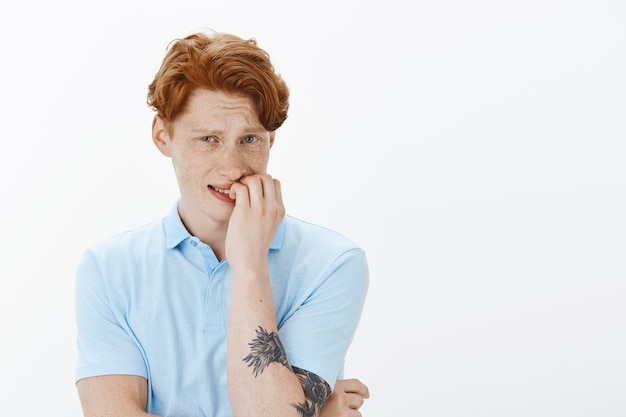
pixel 266 349
pixel 316 393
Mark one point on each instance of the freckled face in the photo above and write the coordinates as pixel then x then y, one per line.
pixel 217 141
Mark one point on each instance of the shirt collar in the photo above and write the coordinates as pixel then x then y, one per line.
pixel 175 231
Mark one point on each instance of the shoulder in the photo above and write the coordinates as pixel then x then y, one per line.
pixel 311 243
pixel 129 242
pixel 112 263
pixel 311 233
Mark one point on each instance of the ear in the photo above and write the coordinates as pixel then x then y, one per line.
pixel 160 136
pixel 272 135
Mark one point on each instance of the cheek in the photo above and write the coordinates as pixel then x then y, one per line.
pixel 258 160
pixel 190 170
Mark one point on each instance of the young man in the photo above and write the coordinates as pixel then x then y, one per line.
pixel 226 307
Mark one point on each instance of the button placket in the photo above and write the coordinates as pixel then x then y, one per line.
pixel 213 314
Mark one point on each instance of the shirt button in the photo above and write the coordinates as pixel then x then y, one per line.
pixel 194 243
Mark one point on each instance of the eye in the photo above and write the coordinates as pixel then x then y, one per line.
pixel 249 139
pixel 207 139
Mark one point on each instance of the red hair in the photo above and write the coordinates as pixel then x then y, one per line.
pixel 219 62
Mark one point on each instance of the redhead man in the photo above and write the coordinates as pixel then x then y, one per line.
pixel 227 306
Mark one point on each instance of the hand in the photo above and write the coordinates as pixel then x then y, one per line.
pixel 346 399
pixel 258 211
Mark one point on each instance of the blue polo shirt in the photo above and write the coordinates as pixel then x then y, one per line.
pixel 153 302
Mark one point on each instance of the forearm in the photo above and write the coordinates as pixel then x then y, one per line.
pixel 261 381
pixel 113 395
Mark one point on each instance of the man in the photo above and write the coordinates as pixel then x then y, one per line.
pixel 227 306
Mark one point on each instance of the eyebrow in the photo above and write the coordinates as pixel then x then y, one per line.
pixel 247 130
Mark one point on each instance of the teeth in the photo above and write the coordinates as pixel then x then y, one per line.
pixel 220 190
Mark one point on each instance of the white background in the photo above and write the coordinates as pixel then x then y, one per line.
pixel 475 149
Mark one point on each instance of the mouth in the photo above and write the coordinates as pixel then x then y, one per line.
pixel 219 190
pixel 221 194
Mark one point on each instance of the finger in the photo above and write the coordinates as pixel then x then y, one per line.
pixel 239 192
pixel 278 193
pixel 353 386
pixel 265 192
pixel 354 401
pixel 258 188
pixel 269 193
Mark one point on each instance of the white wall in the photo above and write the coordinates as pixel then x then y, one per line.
pixel 475 150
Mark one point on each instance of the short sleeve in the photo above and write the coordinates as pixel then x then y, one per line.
pixel 104 340
pixel 318 335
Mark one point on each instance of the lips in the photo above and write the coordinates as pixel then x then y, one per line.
pixel 219 190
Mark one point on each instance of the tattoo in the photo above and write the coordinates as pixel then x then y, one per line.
pixel 316 393
pixel 266 349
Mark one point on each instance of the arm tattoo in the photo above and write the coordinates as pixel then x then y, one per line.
pixel 266 348
pixel 316 392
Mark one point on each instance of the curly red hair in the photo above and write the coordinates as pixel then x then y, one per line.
pixel 220 62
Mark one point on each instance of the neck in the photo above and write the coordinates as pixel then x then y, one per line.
pixel 209 231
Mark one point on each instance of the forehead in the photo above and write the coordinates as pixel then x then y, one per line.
pixel 216 106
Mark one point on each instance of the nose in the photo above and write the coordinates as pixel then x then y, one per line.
pixel 232 163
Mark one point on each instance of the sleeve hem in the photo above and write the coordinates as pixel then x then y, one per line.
pixel 324 372
pixel 128 368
